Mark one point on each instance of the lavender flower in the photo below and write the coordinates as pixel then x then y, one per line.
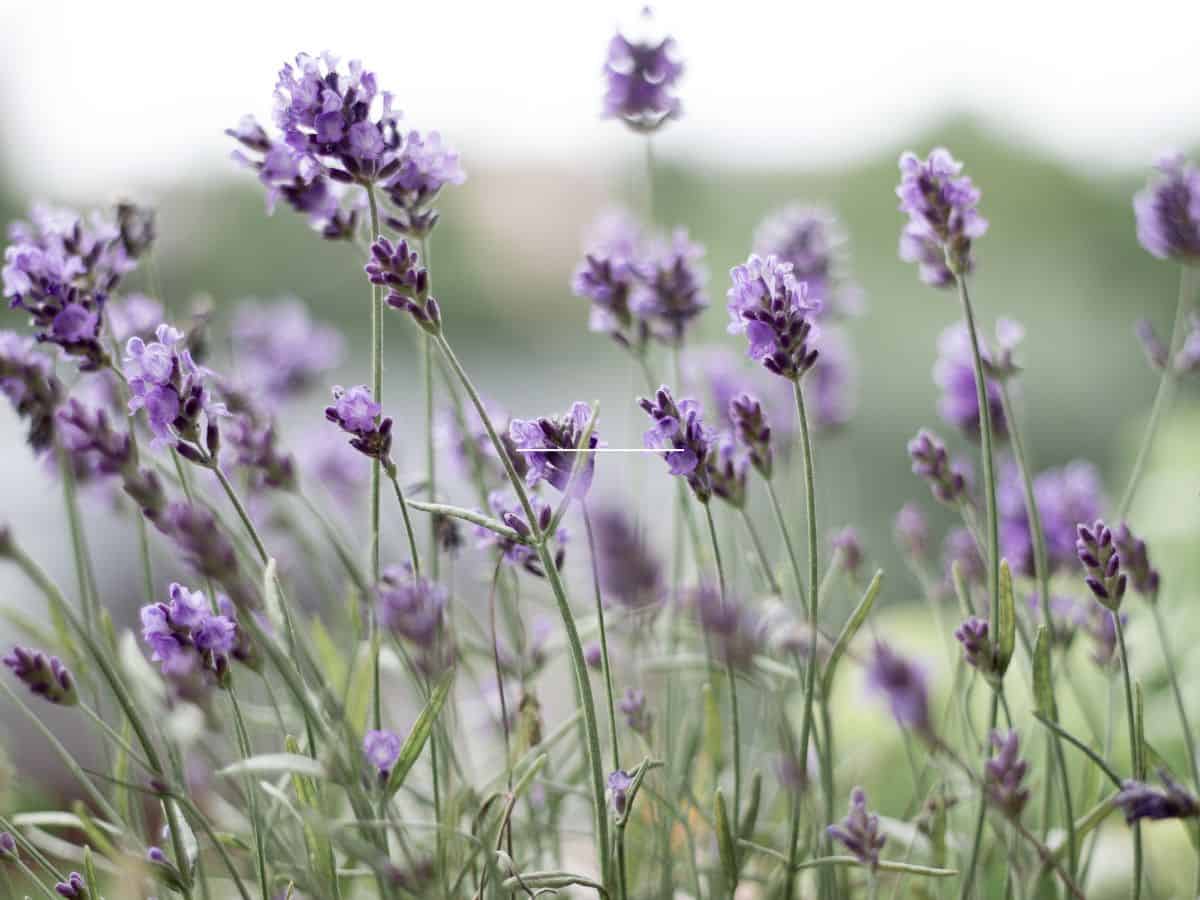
pixel 641 76
pixel 280 351
pixel 912 531
pixel 978 650
pixel 752 430
pixel 629 572
pixel 593 655
pixel 1065 497
pixel 859 831
pixel 903 685
pixel 728 464
pixel 382 750
pixel 926 251
pixel 847 550
pixel 166 382
pixel 44 675
pixel 550 445
pixel 619 783
pixel 733 628
pixel 74 888
pixel 1004 774
pixel 722 375
pixel 931 461
pixel 8 845
pixel 774 311
pixel 680 430
pixel 1103 564
pixel 1187 360
pixel 1140 801
pixel 186 635
pixel 255 446
pixel 27 379
pixel 398 268
pixel 607 278
pixel 1135 559
pixel 415 609
pixel 954 373
pixel 811 239
pixel 507 508
pixel 356 413
pixel 669 292
pixel 60 269
pixel 471 445
pixel 633 708
pixel 941 206
pixel 426 165
pixel 1168 211
pixel 1101 627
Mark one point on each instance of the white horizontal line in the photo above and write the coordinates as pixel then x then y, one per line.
pixel 603 450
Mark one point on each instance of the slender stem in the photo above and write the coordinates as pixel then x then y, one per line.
pixel 376 465
pixel 1042 574
pixel 977 841
pixel 987 442
pixel 729 675
pixel 80 554
pixel 1162 397
pixel 242 514
pixel 608 684
pixel 1135 751
pixel 1189 741
pixel 243 739
pixel 761 553
pixel 408 528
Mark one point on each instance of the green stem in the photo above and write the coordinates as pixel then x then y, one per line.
pixel 977 841
pixel 608 684
pixel 761 553
pixel 1135 751
pixel 243 739
pixel 729 676
pixel 83 565
pixel 408 528
pixel 259 547
pixel 1162 397
pixel 376 465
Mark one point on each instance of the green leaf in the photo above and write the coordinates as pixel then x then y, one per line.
pixel 271 597
pixel 422 728
pixel 275 764
pixel 850 629
pixel 1006 621
pixel 713 727
pixel 750 816
pixel 550 881
pixel 89 869
pixel 1043 689
pixel 725 845
pixel 1139 723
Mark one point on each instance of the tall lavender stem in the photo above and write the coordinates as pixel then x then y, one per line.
pixel 427 354
pixel 376 465
pixel 608 685
pixel 1166 386
pixel 1135 750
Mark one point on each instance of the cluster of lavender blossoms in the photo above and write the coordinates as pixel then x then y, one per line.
pixel 943 220
pixel 189 634
pixel 773 310
pixel 641 74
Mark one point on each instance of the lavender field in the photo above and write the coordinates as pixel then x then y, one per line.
pixel 385 519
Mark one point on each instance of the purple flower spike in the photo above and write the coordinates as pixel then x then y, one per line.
pixel 753 432
pixel 630 574
pixel 735 630
pixel 1004 774
pixel 205 547
pixel 1102 563
pixel 954 373
pixel 641 76
pixel 74 888
pixel 398 268
pixel 774 311
pixel 1065 497
pixel 426 165
pixel 680 430
pixel 1135 559
pixel 859 831
pixel 941 206
pixel 1140 801
pixel 508 509
pixel 812 240
pixel 902 684
pixel 415 609
pixel 619 783
pixel 186 635
pixel 912 531
pixel 1168 211
pixel 669 293
pixel 44 675
pixel 355 411
pixel 633 708
pixel 27 379
pixel 608 276
pixel 382 749
pixel 550 447
pixel 8 845
pixel 978 651
pixel 931 461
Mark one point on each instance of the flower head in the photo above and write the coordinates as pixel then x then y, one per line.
pixel 912 531
pixel 1168 211
pixel 680 432
pixel 1100 559
pixel 954 373
pixel 859 831
pixel 941 206
pixel 1004 775
pixel 74 888
pixel 733 628
pixel 847 549
pixel 551 449
pixel 382 750
pixel 44 675
pixel 8 844
pixel 1140 801
pixel 811 239
pixel 1065 496
pixel 507 508
pixel 425 166
pixel 1135 559
pixel 398 268
pixel 608 275
pixel 633 708
pixel 27 379
pixel 669 292
pixel 641 75
pixel 978 650
pixel 618 785
pixel 728 465
pixel 414 608
pixel 355 411
pixel 753 432
pixel 902 684
pixel 931 461
pixel 630 574
pixel 774 311
pixel 186 634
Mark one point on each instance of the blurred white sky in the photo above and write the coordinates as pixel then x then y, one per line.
pixel 99 96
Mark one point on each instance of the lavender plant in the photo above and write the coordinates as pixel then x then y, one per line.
pixel 326 701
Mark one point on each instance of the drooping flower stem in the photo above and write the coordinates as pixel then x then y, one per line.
pixel 987 449
pixel 1042 575
pixel 1135 750
pixel 1166 388
pixel 608 685
pixel 735 724
pixel 408 528
pixel 574 645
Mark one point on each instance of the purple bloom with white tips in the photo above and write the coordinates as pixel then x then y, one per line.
pixel 186 634
pixel 680 431
pixel 425 166
pixel 641 75
pixel 902 684
pixel 355 411
pixel 1168 211
pixel 44 675
pixel 773 310
pixel 941 206
pixel 859 831
pixel 954 373
pixel 382 750
pixel 280 351
pixel 550 447
pixel 608 276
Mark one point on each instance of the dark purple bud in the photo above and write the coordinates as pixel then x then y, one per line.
pixel 1102 564
pixel 8 844
pixel 859 831
pixel 1140 801
pixel 74 888
pixel 1135 558
pixel 44 675
pixel 1004 775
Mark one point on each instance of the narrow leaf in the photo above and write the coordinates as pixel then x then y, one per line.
pixel 1006 620
pixel 725 845
pixel 1043 689
pixel 422 728
pixel 750 816
pixel 850 629
pixel 276 763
